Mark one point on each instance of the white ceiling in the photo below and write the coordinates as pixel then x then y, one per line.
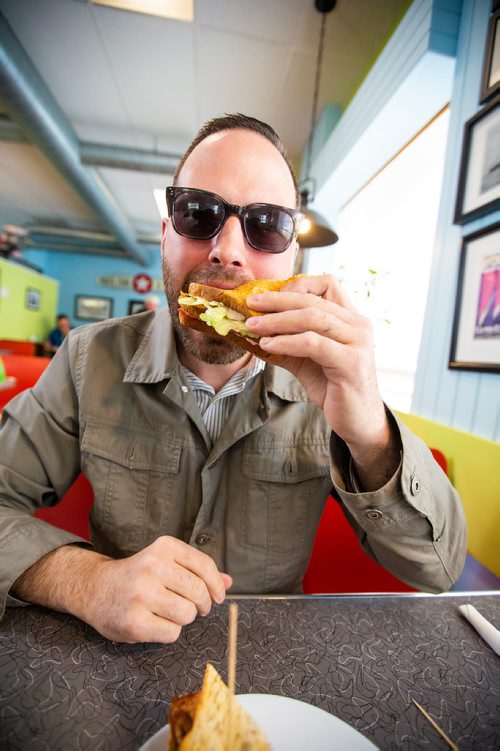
pixel 134 80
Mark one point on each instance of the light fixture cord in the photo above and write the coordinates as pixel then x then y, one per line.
pixel 316 94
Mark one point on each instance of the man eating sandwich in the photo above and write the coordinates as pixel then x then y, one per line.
pixel 211 464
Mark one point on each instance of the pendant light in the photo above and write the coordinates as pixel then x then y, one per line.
pixel 316 231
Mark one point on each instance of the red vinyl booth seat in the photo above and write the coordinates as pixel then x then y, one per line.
pixel 26 369
pixel 72 511
pixel 339 564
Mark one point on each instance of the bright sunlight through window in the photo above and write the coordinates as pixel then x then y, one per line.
pixel 384 254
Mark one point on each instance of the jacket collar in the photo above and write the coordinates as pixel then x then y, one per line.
pixel 156 360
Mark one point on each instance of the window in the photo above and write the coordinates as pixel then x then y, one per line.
pixel 384 254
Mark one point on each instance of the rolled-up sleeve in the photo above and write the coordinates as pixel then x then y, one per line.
pixel 414 525
pixel 39 460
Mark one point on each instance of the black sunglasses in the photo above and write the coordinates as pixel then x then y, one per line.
pixel 200 215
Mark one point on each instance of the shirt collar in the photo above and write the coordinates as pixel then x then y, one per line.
pixel 155 360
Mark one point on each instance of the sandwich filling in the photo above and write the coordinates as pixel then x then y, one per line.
pixel 218 316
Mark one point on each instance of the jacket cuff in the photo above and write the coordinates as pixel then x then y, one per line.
pixel 24 547
pixel 403 500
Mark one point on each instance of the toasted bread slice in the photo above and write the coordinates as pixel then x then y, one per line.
pixel 210 728
pixel 201 299
pixel 236 298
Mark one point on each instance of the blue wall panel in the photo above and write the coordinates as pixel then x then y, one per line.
pixel 469 401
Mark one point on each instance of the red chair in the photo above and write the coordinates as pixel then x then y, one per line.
pixel 72 511
pixel 441 459
pixel 339 564
pixel 13 347
pixel 26 369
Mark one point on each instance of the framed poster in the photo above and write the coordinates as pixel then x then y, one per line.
pixel 32 298
pixel 479 182
pixel 135 306
pixel 490 81
pixel 475 341
pixel 91 308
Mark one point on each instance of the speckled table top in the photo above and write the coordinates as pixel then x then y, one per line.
pixel 362 658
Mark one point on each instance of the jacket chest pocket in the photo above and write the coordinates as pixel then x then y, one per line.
pixel 284 488
pixel 134 477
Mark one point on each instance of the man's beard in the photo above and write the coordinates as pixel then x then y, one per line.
pixel 209 349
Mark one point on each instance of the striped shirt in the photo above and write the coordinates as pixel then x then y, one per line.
pixel 216 407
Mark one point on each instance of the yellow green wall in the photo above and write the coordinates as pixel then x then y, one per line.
pixel 16 320
pixel 474 469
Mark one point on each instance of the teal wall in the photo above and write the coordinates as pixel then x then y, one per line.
pixel 77 273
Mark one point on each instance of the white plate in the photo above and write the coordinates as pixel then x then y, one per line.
pixel 289 725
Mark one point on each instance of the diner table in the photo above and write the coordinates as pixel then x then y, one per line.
pixel 362 658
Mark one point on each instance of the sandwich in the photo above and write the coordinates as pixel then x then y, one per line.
pixel 222 312
pixel 213 720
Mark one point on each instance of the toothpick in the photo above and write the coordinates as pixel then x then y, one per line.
pixel 436 726
pixel 232 637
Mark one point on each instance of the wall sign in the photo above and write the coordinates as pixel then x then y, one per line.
pixel 142 283
pixel 127 282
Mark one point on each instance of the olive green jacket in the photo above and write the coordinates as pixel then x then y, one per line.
pixel 112 405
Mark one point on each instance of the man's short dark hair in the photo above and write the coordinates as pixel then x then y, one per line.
pixel 244 122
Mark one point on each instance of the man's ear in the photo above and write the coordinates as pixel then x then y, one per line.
pixel 164 223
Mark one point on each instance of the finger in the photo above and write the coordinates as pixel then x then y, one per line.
pixel 281 301
pixel 161 630
pixel 299 321
pixel 171 606
pixel 147 627
pixel 326 286
pixel 188 585
pixel 202 566
pixel 325 352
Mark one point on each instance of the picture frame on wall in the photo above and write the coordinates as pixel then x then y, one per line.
pixel 32 298
pixel 92 308
pixel 479 182
pixel 490 81
pixel 475 341
pixel 135 306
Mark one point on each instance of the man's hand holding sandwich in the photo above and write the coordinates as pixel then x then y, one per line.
pixel 313 315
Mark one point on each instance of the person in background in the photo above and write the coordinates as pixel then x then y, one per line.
pixel 57 335
pixel 210 467
pixel 152 302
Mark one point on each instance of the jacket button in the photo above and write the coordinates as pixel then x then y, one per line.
pixel 202 539
pixel 373 513
pixel 414 485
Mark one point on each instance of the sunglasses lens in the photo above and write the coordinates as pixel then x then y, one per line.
pixel 197 215
pixel 269 228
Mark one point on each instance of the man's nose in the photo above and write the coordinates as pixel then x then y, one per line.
pixel 230 248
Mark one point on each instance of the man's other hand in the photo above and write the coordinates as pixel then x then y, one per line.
pixel 147 597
